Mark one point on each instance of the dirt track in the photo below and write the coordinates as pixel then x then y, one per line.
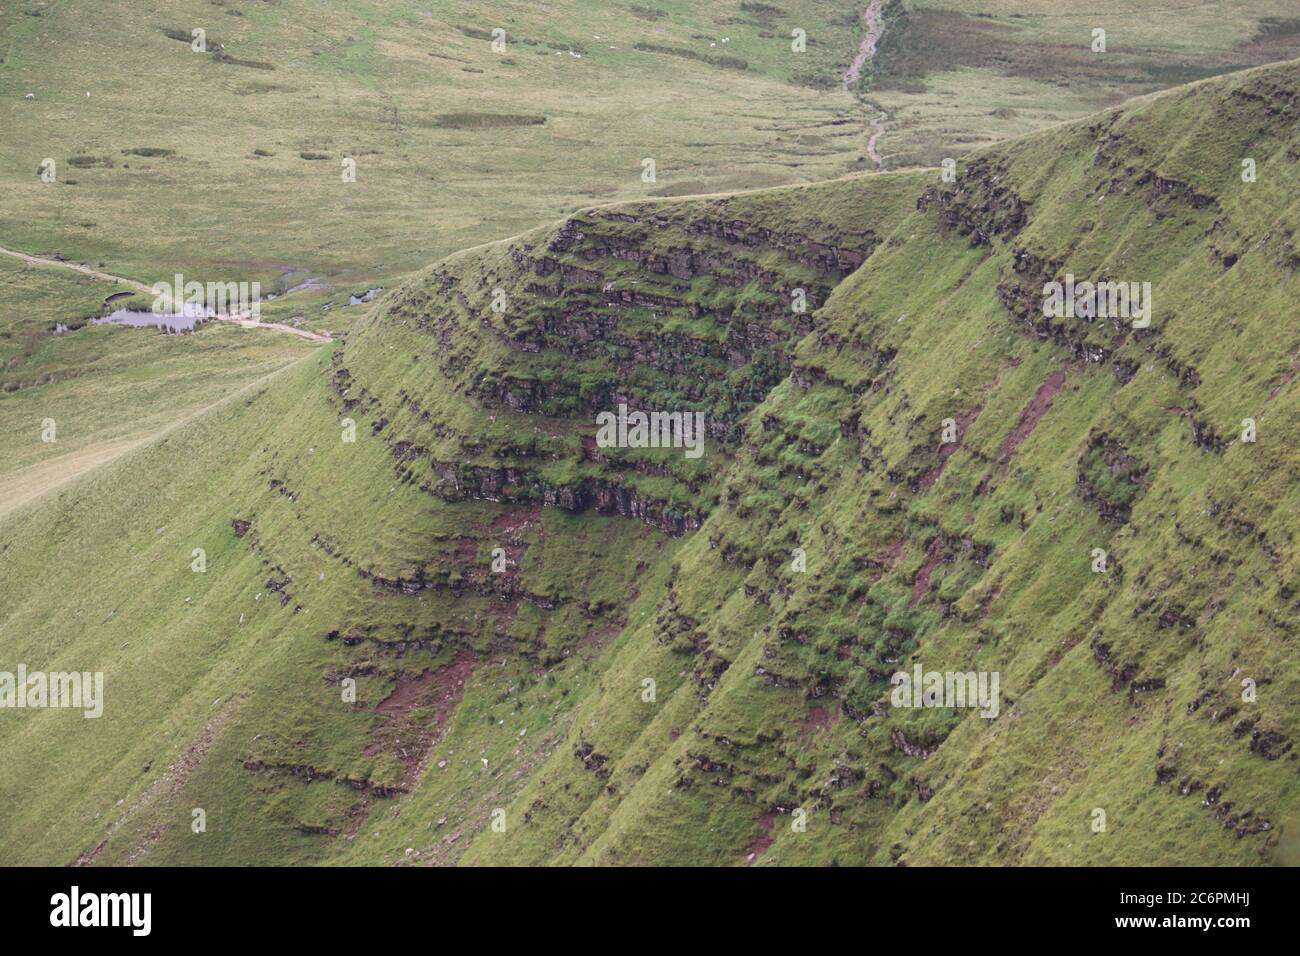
pixel 872 17
pixel 867 51
pixel 240 320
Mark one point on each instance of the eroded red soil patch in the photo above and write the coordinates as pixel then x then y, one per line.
pixel 599 636
pixel 930 477
pixel 509 531
pixel 819 718
pixel 356 817
pixel 1029 416
pixel 404 729
pixel 989 600
pixel 933 557
pixel 513 524
pixel 1058 655
pixel 758 846
pixel 946 450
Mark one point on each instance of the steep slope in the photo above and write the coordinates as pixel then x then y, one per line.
pixel 520 698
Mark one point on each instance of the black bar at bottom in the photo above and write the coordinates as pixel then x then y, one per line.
pixel 333 906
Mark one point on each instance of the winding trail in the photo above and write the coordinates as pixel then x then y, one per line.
pixel 874 20
pixel 241 319
pixel 867 51
pixel 878 127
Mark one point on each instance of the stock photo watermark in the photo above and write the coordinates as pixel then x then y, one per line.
pixel 70 690
pixel 623 429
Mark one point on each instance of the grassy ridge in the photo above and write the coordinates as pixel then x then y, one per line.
pixel 524 691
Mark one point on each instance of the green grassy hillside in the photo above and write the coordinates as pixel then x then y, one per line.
pixel 350 506
pixel 228 164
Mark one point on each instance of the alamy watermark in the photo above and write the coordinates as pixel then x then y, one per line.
pixel 953 689
pixel 1098 300
pixel 38 689
pixel 651 430
pixel 183 298
pixel 75 908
